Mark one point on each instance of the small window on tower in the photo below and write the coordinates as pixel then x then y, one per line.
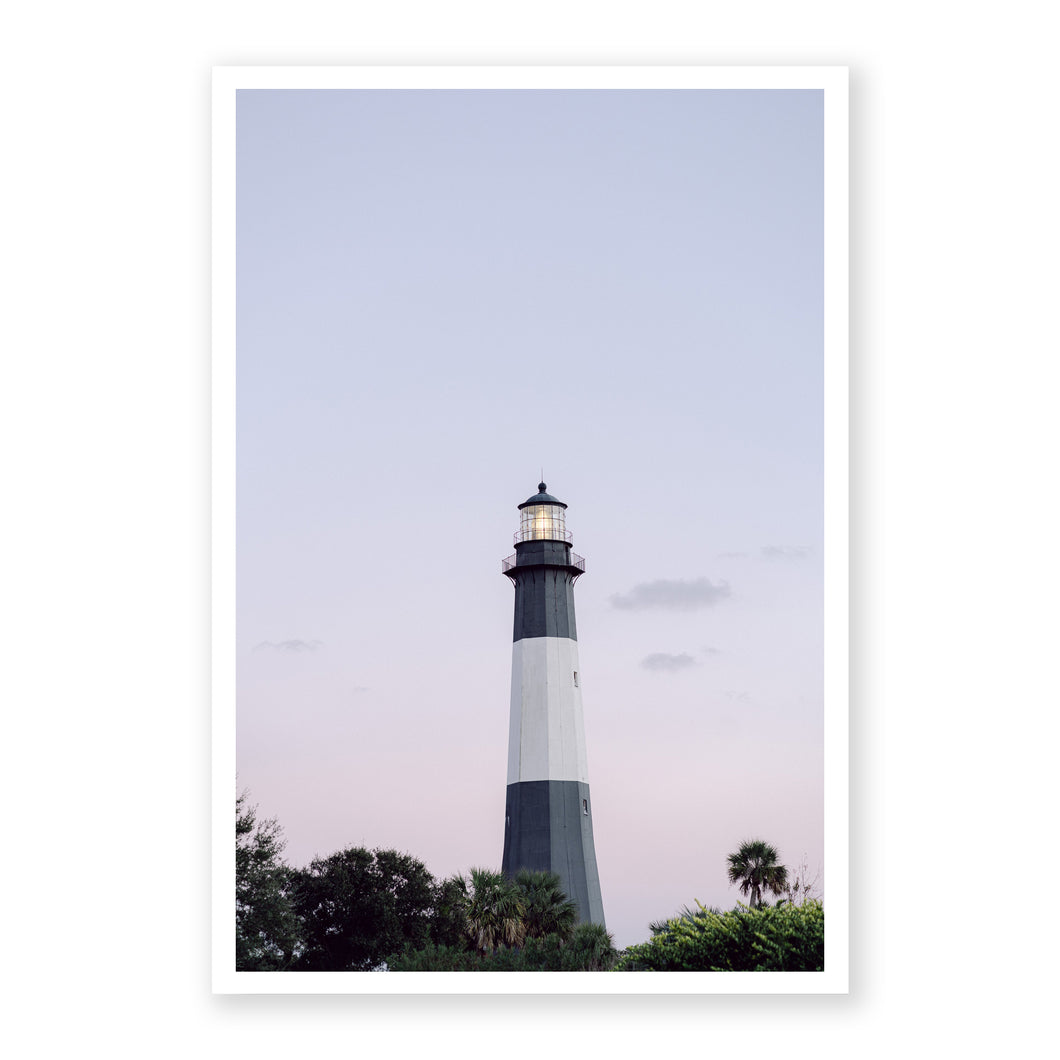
pixel 575 678
pixel 585 807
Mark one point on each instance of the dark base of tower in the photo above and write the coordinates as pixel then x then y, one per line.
pixel 548 825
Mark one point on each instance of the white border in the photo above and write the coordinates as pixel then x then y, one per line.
pixel 833 81
pixel 223 527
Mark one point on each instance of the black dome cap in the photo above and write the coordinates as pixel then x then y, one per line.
pixel 541 497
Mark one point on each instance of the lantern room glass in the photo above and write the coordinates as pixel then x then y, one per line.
pixel 543 522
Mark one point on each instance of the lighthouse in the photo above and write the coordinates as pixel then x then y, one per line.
pixel 548 812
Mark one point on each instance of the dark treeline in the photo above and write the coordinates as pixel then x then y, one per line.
pixel 362 910
pixel 359 910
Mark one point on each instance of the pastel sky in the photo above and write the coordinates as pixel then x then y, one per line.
pixel 443 294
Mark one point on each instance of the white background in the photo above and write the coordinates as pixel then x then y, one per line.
pixel 105 420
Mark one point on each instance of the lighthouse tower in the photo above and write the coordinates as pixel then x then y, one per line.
pixel 548 822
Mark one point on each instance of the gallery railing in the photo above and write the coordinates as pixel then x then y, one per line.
pixel 575 561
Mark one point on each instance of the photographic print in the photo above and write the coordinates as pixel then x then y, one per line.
pixel 530 529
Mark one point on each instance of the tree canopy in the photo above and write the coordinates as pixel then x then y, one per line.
pixel 358 905
pixel 524 924
pixel 267 927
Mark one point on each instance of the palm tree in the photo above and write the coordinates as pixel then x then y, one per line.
pixel 591 949
pixel 756 869
pixel 548 910
pixel 495 911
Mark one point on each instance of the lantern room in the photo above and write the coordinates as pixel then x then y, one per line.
pixel 542 518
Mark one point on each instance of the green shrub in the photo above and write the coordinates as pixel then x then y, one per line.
pixel 434 958
pixel 589 949
pixel 535 955
pixel 780 938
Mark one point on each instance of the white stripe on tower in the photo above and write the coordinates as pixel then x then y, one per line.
pixel 546 737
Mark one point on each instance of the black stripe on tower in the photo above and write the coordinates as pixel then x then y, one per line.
pixel 544 590
pixel 554 832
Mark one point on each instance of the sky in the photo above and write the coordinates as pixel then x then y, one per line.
pixel 444 297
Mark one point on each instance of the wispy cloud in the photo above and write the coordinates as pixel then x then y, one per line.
pixel 786 551
pixel 663 662
pixel 288 645
pixel 680 595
